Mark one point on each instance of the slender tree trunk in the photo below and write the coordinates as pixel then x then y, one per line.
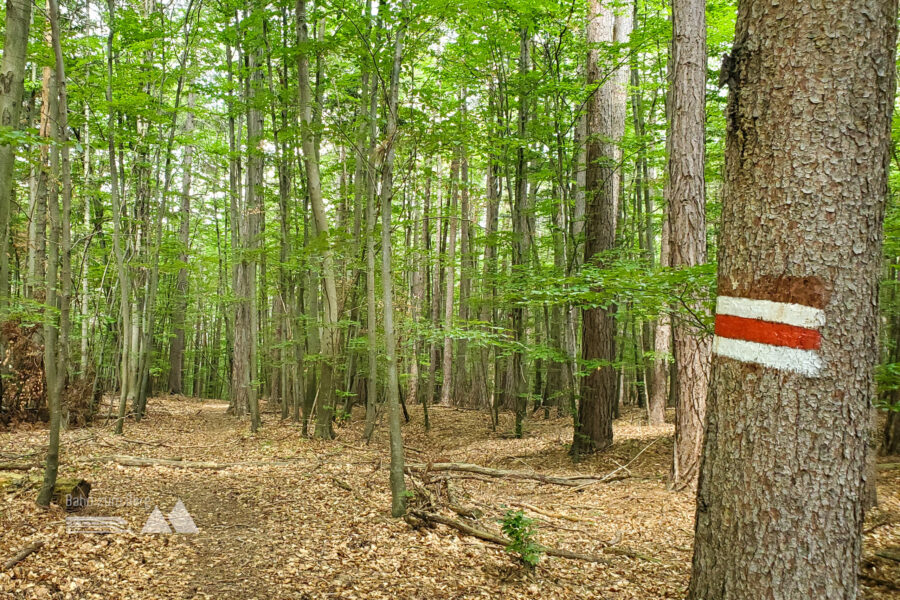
pixel 54 369
pixel 604 130
pixel 121 268
pixel 371 316
pixel 516 383
pixel 450 284
pixel 782 478
pixel 398 484
pixel 435 255
pixel 687 228
pixel 329 331
pixel 176 348
pixel 461 392
pixel 255 212
pixel 659 394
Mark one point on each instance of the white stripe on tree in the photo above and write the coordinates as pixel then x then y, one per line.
pixel 804 362
pixel 775 312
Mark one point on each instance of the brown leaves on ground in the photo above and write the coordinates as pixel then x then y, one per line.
pixel 287 517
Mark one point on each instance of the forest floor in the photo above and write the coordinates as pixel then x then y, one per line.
pixel 281 516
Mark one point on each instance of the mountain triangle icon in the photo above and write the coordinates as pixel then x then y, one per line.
pixel 156 523
pixel 181 519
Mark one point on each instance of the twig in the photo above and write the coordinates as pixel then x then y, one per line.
pixel 609 476
pixel 575 481
pixel 429 517
pixel 23 554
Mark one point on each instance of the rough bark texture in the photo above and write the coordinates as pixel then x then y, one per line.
pixel 687 228
pixel 779 507
pixel 605 126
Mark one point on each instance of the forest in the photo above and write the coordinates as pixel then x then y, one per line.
pixel 482 299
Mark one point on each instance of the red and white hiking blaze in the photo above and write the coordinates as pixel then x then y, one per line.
pixel 780 335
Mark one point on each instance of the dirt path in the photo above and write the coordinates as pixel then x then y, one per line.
pixel 280 523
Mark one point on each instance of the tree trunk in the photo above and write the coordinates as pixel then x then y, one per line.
pixel 12 69
pixel 55 376
pixel 176 348
pixel 329 331
pixel 605 127
pixel 398 484
pixel 779 507
pixel 659 392
pixel 891 442
pixel 371 316
pixel 255 207
pixel 687 228
pixel 449 282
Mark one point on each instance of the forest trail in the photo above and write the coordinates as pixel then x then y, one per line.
pixel 276 519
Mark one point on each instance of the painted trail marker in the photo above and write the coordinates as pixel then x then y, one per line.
pixel 779 335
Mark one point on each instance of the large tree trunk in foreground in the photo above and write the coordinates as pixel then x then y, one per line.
pixel 605 126
pixel 782 478
pixel 687 228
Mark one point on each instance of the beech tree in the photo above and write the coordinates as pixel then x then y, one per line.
pixel 782 478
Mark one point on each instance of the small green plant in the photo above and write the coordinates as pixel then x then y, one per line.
pixel 521 532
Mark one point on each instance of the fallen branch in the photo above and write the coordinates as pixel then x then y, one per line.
pixel 429 517
pixel 878 581
pixel 611 476
pixel 18 466
pixel 178 463
pixel 138 461
pixel 575 481
pixel 23 554
pixel 889 554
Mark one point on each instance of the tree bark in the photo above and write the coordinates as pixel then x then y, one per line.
pixel 687 228
pixel 398 484
pixel 329 332
pixel 449 282
pixel 12 69
pixel 604 130
pixel 121 268
pixel 779 507
pixel 659 391
pixel 176 349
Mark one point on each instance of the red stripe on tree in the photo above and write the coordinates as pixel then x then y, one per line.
pixel 765 332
